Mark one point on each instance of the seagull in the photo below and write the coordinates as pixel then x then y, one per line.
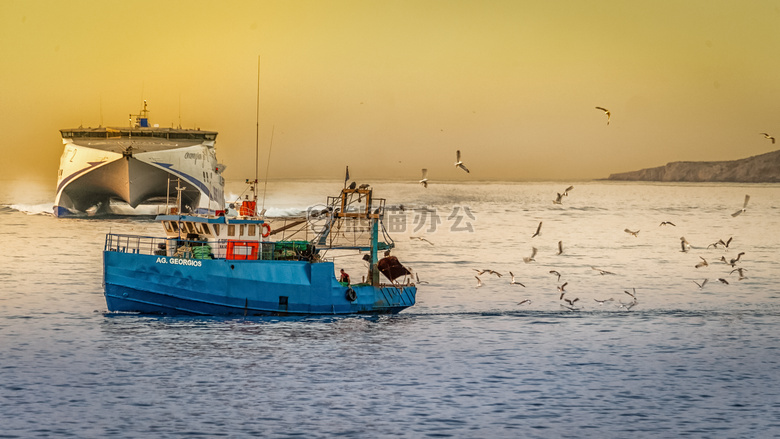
pixel 747 198
pixel 493 272
pixel 560 248
pixel 562 288
pixel 632 295
pixel 479 282
pixel 424 180
pixel 530 258
pixel 557 274
pixel 558 198
pixel 740 271
pixel 702 284
pixel 723 281
pixel 605 112
pixel 684 244
pixel 353 185
pixel 734 261
pixel 420 238
pixel 601 302
pixel 703 263
pixel 601 272
pixel 513 282
pixel 538 230
pixel 459 163
pixel 666 223
pixel 418 279
pixel 720 242
pixel 567 190
pixel 571 302
pixel 632 233
pixel 629 305
pixel 528 301
pixel 769 137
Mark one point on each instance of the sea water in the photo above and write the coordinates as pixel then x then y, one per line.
pixel 660 357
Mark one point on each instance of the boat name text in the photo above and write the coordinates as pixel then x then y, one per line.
pixel 193 155
pixel 177 261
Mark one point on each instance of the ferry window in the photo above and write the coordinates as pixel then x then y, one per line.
pixel 189 227
pixel 175 226
pixel 199 228
pixel 216 229
pixel 242 230
pixel 206 230
pixel 252 230
pixel 232 230
pixel 167 225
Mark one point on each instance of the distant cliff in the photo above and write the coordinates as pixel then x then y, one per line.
pixel 764 168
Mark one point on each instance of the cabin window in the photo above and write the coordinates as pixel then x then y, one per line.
pixel 174 227
pixel 199 228
pixel 252 231
pixel 242 230
pixel 216 229
pixel 168 227
pixel 206 230
pixel 190 228
pixel 232 230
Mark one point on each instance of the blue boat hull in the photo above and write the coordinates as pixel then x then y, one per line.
pixel 166 285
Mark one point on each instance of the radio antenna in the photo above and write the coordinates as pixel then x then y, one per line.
pixel 257 133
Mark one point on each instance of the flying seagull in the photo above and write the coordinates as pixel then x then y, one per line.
pixel 601 272
pixel 420 238
pixel 605 112
pixel 567 190
pixel 632 233
pixel 538 230
pixel 562 288
pixel 558 198
pixel 530 258
pixel 479 282
pixel 424 180
pixel 747 198
pixel 601 302
pixel 684 244
pixel 740 271
pixel 556 274
pixel 702 284
pixel 459 163
pixel 723 281
pixel 560 248
pixel 665 223
pixel 514 282
pixel 703 263
pixel 769 137
pixel 734 261
pixel 528 301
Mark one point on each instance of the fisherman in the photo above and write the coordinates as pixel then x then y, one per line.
pixel 344 277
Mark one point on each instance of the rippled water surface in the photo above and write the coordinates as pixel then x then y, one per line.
pixel 464 362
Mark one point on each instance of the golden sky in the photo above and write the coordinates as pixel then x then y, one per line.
pixel 390 87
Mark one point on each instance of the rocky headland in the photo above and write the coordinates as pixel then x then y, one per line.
pixel 764 168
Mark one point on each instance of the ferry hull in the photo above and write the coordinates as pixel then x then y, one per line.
pixel 167 285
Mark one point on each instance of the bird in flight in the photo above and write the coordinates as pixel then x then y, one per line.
pixel 601 302
pixel 528 259
pixel 514 282
pixel 684 244
pixel 567 190
pixel 562 288
pixel 703 263
pixel 740 271
pixel 420 238
pixel 605 112
pixel 666 223
pixel 769 137
pixel 632 233
pixel 553 272
pixel 601 272
pixel 479 282
pixel 523 302
pixel 560 248
pixel 538 230
pixel 558 198
pixel 744 205
pixel 424 180
pixel 459 162
pixel 702 284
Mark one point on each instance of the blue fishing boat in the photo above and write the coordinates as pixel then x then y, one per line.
pixel 253 265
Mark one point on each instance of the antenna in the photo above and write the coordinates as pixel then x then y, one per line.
pixel 257 132
pixel 179 110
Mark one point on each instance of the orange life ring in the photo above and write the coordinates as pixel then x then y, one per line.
pixel 266 230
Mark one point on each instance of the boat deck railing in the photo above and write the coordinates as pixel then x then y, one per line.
pixel 221 249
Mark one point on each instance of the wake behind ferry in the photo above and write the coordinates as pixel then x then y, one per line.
pixel 252 265
pixel 134 165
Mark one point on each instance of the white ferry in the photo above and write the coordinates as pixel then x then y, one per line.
pixel 138 165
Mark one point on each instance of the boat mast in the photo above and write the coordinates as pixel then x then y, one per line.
pixel 257 137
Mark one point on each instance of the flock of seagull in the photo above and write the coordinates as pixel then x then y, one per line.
pixel 573 303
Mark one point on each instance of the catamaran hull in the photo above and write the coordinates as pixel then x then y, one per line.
pixel 167 285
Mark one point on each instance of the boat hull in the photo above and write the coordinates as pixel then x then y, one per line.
pixel 168 285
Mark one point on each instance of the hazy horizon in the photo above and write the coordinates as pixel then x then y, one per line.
pixel 389 88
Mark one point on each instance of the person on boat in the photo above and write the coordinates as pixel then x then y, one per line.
pixel 344 278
